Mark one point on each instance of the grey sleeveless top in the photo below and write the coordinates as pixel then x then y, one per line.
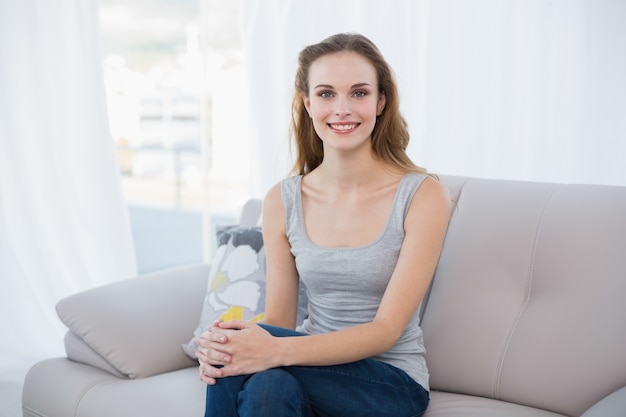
pixel 345 285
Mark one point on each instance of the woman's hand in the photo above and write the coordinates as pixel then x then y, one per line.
pixel 234 348
pixel 210 353
pixel 207 343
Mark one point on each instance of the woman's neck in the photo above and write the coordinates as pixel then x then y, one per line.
pixel 347 173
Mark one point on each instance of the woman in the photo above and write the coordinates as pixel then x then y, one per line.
pixel 362 226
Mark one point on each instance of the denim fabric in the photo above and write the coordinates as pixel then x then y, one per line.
pixel 363 388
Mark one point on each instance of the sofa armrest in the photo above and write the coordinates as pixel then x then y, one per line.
pixel 138 325
pixel 612 405
pixel 78 351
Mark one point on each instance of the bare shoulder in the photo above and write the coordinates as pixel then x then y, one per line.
pixel 273 209
pixel 432 200
pixel 273 198
pixel 434 191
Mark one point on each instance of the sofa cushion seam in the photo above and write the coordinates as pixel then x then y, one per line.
pixel 526 300
pixel 84 392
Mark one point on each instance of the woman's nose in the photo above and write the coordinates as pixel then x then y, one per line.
pixel 342 107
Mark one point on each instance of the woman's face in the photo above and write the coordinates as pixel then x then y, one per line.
pixel 343 99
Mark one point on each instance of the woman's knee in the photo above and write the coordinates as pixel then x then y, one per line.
pixel 274 392
pixel 273 382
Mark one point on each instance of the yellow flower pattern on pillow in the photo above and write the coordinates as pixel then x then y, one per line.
pixel 236 313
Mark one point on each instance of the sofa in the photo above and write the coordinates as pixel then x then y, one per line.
pixel 526 316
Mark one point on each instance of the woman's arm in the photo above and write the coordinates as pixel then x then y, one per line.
pixel 251 349
pixel 282 281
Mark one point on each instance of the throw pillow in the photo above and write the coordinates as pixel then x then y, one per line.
pixel 236 287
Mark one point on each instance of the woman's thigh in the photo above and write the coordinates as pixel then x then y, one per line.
pixel 365 388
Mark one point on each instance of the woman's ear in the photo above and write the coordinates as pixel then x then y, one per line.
pixel 382 100
pixel 307 104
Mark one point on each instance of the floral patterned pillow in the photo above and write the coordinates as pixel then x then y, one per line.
pixel 236 287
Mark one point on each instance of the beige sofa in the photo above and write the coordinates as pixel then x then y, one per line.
pixel 526 317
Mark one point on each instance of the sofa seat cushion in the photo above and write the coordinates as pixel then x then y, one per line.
pixel 445 404
pixel 91 392
pixel 178 393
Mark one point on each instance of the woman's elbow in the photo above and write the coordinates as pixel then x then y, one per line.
pixel 279 321
pixel 390 333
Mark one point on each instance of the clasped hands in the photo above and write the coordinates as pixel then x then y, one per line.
pixel 235 347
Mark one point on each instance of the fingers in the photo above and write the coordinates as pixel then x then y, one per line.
pixel 207 338
pixel 212 334
pixel 216 347
pixel 210 374
pixel 213 347
pixel 216 352
pixel 219 331
pixel 213 357
pixel 235 324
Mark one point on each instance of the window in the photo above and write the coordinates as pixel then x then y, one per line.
pixel 176 99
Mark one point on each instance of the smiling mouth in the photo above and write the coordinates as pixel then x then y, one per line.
pixel 343 127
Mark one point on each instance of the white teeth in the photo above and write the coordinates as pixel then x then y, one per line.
pixel 343 127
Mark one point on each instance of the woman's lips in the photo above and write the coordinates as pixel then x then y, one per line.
pixel 343 127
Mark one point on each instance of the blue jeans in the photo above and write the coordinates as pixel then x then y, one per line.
pixel 364 388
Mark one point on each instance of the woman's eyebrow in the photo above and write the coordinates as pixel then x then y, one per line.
pixel 359 85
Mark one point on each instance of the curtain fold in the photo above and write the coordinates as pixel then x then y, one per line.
pixel 64 226
pixel 526 90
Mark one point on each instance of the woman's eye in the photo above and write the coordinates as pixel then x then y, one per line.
pixel 325 94
pixel 360 94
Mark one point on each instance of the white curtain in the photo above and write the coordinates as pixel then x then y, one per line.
pixel 63 221
pixel 518 89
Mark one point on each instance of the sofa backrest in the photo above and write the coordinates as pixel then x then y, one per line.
pixel 251 212
pixel 528 303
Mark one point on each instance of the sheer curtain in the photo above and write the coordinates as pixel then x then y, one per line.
pixel 63 222
pixel 529 90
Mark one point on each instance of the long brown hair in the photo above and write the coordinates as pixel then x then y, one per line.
pixel 390 136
